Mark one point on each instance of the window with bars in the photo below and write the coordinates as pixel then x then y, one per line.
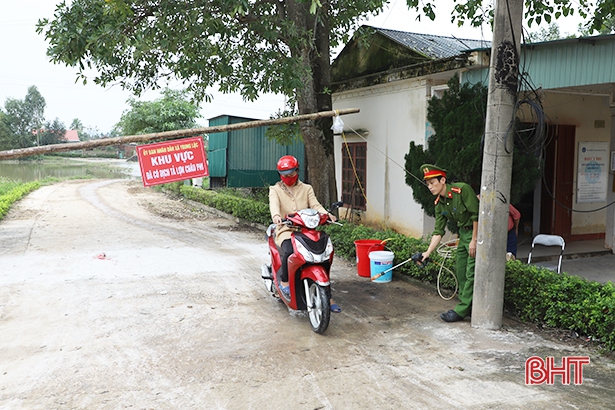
pixel 353 190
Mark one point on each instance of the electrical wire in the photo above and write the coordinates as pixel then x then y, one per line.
pixel 354 168
pixel 385 155
pixel 539 137
pixel 570 209
pixel 534 143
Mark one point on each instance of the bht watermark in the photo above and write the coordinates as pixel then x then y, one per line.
pixel 539 371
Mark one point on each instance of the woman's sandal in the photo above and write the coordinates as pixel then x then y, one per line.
pixel 335 308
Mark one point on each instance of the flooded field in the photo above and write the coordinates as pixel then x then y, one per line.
pixel 25 171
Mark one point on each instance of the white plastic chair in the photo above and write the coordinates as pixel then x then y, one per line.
pixel 548 240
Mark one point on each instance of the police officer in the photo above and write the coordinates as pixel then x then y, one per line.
pixel 458 203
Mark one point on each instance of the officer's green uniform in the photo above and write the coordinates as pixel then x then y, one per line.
pixel 459 205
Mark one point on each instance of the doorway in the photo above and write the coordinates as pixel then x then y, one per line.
pixel 557 181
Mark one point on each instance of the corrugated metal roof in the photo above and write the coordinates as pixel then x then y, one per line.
pixel 431 46
pixel 566 64
pixel 588 64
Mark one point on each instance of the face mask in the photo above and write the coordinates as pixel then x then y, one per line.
pixel 289 181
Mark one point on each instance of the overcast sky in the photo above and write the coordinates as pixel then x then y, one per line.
pixel 24 64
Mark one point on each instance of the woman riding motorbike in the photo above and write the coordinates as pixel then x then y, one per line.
pixel 289 195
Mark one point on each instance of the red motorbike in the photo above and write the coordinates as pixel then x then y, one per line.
pixel 308 266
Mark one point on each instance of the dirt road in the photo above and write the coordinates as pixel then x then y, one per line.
pixel 114 296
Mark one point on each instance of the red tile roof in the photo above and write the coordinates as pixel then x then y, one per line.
pixel 71 136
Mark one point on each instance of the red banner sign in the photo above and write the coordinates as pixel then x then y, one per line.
pixel 171 161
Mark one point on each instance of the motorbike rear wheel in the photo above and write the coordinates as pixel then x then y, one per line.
pixel 321 310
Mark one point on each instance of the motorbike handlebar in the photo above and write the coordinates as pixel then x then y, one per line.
pixel 335 206
pixel 286 221
pixel 289 223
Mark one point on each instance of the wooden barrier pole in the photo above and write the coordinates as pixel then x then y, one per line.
pixel 168 135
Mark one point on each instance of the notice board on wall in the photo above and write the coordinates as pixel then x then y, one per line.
pixel 593 172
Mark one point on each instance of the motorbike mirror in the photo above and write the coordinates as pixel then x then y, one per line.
pixel 336 205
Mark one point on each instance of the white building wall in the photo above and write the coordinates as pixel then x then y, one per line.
pixel 585 112
pixel 609 237
pixel 393 114
pixel 396 113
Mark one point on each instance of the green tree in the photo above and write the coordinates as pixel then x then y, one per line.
pixel 244 46
pixel 544 34
pixel 83 133
pixel 35 105
pixel 52 133
pixel 608 27
pixel 86 133
pixel 25 118
pixel 458 119
pixel 6 137
pixel 477 12
pixel 285 134
pixel 76 124
pixel 172 111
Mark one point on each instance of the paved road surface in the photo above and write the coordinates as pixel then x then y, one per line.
pixel 113 296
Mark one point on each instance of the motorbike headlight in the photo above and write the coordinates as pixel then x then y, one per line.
pixel 310 217
pixel 328 249
pixel 307 255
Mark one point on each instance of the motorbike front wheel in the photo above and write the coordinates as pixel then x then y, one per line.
pixel 320 313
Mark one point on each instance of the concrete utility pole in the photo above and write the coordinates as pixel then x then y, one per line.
pixel 488 302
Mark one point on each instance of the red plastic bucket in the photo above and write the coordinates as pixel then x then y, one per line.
pixel 364 247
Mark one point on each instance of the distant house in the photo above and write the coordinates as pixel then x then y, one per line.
pixel 246 158
pixel 71 136
pixel 127 150
pixel 391 75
